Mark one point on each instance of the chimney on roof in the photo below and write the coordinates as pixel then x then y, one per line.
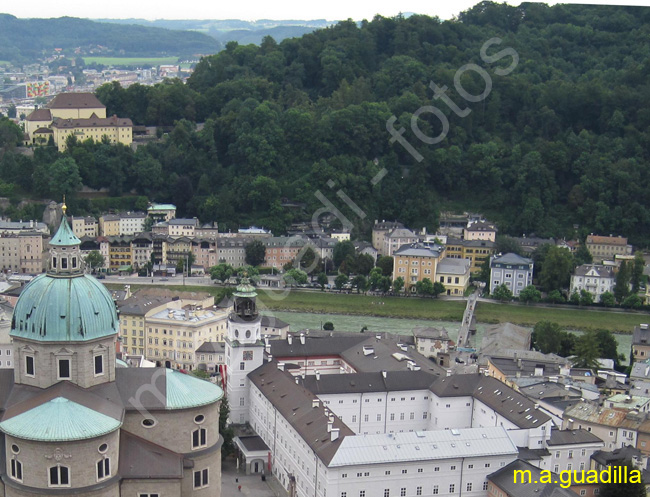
pixel 334 434
pixel 281 366
pixel 302 339
pixel 315 403
pixel 297 379
pixel 290 339
pixel 270 357
pixel 341 370
pixel 317 375
pixel 384 374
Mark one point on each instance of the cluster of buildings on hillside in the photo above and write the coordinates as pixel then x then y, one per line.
pixel 324 413
pixel 80 115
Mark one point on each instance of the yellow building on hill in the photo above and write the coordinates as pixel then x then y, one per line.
pixel 78 114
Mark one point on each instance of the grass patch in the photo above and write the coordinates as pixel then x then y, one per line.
pixel 336 303
pixel 570 317
pixel 130 61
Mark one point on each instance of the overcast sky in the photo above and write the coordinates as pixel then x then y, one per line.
pixel 248 10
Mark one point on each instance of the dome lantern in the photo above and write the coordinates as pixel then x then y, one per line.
pixel 65 255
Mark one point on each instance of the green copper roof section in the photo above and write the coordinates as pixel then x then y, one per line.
pixel 52 309
pixel 245 289
pixel 59 420
pixel 65 236
pixel 184 391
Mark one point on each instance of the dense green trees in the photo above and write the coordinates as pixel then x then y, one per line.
pixel 255 253
pixel 560 140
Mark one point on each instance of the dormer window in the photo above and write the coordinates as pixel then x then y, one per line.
pixel 54 262
pixel 64 263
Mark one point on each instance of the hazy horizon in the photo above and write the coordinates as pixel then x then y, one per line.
pixel 254 10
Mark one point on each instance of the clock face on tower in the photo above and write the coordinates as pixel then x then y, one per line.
pixel 247 355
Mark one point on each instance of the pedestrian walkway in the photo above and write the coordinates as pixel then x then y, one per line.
pixel 251 485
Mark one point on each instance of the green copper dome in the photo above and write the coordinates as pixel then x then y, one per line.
pixel 54 309
pixel 245 289
pixel 59 420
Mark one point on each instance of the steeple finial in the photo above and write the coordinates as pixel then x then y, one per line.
pixel 64 207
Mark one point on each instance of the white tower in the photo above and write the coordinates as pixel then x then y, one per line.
pixel 244 350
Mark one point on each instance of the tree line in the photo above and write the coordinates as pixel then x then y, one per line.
pixel 560 141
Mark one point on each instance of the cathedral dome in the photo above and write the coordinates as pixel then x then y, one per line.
pixel 64 304
pixel 55 309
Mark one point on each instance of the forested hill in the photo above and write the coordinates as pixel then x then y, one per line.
pixel 29 39
pixel 561 140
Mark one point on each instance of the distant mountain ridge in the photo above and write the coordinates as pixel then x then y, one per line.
pixel 28 39
pixel 243 32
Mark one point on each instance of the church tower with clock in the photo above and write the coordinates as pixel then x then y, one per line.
pixel 244 350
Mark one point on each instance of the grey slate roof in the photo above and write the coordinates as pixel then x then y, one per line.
pixel 295 403
pixel 419 250
pixel 211 348
pixel 510 404
pixel 505 336
pixel 253 443
pixel 323 346
pixel 368 382
pixel 606 457
pixel 526 367
pixel 453 266
pixel 431 333
pixel 387 225
pixel 601 271
pixel 569 437
pixel 273 322
pixel 512 259
pixel 140 458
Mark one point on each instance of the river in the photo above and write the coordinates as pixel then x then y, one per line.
pixel 342 322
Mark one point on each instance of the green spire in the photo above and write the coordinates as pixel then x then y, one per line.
pixel 65 237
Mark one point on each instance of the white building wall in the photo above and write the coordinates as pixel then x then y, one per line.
pixel 572 457
pixel 381 412
pixel 451 412
pixel 450 476
pixel 237 383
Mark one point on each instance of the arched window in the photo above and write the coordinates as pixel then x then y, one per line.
pixel 59 476
pixel 199 438
pixel 103 468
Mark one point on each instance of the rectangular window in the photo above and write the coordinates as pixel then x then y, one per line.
pixel 469 486
pixel 201 479
pixel 452 488
pixel 29 365
pixel 64 369
pixel 99 365
pixel 435 490
pixel 402 492
pixel 387 492
pixel 242 366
